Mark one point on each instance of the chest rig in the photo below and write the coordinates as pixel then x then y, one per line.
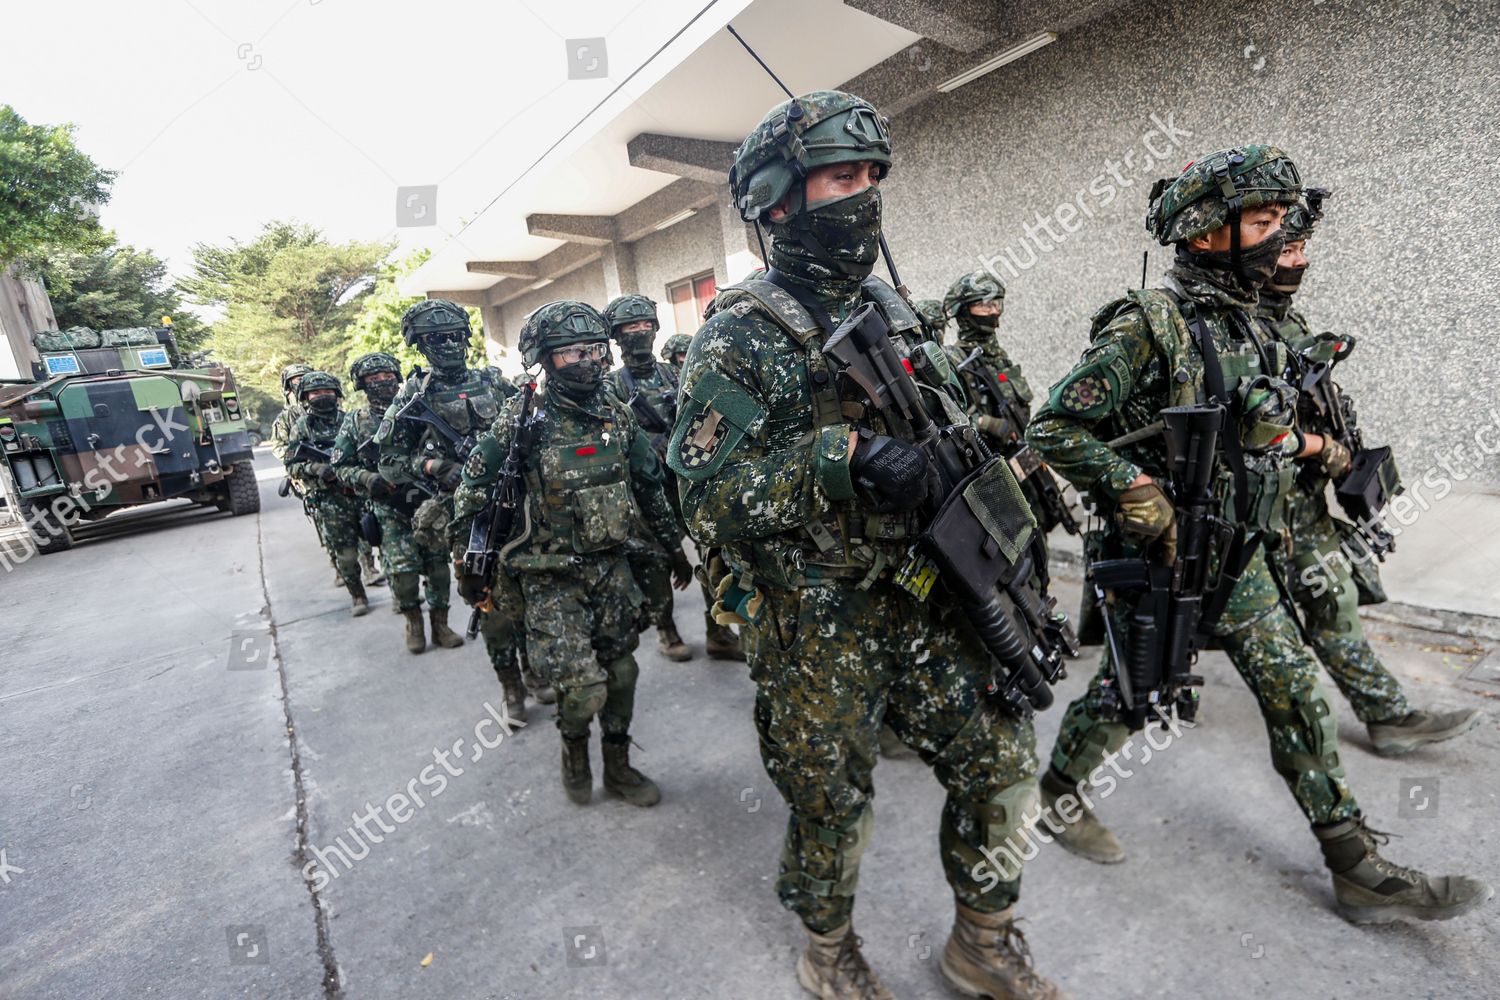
pixel 578 483
pixel 854 543
pixel 469 406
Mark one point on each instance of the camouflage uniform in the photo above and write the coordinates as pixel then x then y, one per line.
pixel 1144 357
pixel 934 318
pixel 589 476
pixel 761 448
pixel 334 507
pixel 469 399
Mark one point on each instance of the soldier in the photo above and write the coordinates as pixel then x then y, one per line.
pixel 1322 584
pixel 814 506
pixel 426 434
pixel 309 461
pixel 934 318
pixel 674 352
pixel 1191 341
pixel 999 395
pixel 649 387
pixel 355 455
pixel 589 476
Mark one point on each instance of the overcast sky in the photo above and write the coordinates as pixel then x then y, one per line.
pixel 223 114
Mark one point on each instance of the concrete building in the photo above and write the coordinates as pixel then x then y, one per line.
pixel 1026 137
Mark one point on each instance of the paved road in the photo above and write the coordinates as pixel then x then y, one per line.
pixel 155 815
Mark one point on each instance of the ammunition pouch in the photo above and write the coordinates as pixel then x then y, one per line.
pixel 369 527
pixel 1370 484
pixel 602 516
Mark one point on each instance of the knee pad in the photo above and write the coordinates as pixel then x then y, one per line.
pixel 1311 720
pixel 623 671
pixel 999 822
pixel 809 839
pixel 407 590
pixel 580 704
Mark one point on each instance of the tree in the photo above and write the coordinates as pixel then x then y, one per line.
pixel 116 286
pixel 49 189
pixel 288 295
pixel 378 327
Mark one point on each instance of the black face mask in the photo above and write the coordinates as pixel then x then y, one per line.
pixel 1287 280
pixel 636 349
pixel 323 404
pixel 846 231
pixel 381 395
pixel 579 380
pixel 984 324
pixel 1255 265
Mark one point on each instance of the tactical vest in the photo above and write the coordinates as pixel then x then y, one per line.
pixel 470 407
pixel 578 485
pixel 855 543
pixel 1269 473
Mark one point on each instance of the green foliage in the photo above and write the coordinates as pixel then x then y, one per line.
pixel 45 184
pixel 116 286
pixel 288 295
pixel 378 327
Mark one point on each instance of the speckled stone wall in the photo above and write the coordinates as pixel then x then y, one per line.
pixel 585 285
pixel 690 247
pixel 1394 105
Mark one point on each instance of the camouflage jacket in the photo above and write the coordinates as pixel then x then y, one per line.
pixel 281 429
pixel 590 475
pixel 356 468
pixel 658 390
pixel 320 432
pixel 1142 360
pixel 469 403
pixel 991 374
pixel 761 445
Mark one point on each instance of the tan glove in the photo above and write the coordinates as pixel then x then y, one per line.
pixel 1334 459
pixel 1145 511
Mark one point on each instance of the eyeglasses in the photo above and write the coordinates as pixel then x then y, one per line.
pixel 445 337
pixel 574 353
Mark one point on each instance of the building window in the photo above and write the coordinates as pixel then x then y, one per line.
pixel 689 297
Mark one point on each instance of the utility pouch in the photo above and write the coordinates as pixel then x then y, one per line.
pixel 602 516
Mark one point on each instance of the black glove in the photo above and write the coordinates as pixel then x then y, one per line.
pixel 891 472
pixel 379 486
pixel 473 589
pixel 682 570
pixel 326 473
pixel 450 476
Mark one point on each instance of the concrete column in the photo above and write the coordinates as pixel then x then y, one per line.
pixel 619 270
pixel 494 328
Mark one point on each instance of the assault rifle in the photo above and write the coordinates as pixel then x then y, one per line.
pixel 652 421
pixel 981 539
pixel 1024 461
pixel 408 495
pixel 1372 479
pixel 494 522
pixel 1165 603
pixel 306 451
pixel 418 410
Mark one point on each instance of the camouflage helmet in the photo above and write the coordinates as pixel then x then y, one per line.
pixel 432 316
pixel 558 324
pixel 932 313
pixel 676 344
pixel 296 370
pixel 369 364
pixel 976 286
pixel 318 380
pixel 1212 188
pixel 624 309
pixel 816 129
pixel 1302 218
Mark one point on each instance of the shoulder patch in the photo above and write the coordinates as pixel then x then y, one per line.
pixel 716 416
pixel 474 467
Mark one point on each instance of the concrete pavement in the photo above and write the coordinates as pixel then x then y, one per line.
pixel 152 803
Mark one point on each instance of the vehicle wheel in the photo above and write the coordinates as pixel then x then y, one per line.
pixel 51 534
pixel 241 490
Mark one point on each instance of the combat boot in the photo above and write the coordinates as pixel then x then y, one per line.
pixel 670 643
pixel 369 569
pixel 722 643
pixel 416 636
pixel 1368 889
pixel 515 693
pixel 1393 737
pixel 891 747
pixel 622 779
pixel 541 691
pixel 577 778
pixel 833 968
pixel 359 603
pixel 1086 836
pixel 987 956
pixel 442 635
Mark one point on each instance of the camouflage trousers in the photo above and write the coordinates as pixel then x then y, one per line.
pixel 1263 644
pixel 409 564
pixel 581 614
pixel 503 627
pixel 830 663
pixel 336 516
pixel 652 568
pixel 1329 602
